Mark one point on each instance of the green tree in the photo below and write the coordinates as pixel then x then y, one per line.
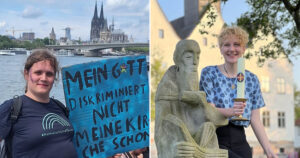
pixel 138 49
pixel 46 41
pixel 280 18
pixel 27 45
pixel 297 102
pixel 38 43
pixel 297 113
pixel 157 73
pixel 6 43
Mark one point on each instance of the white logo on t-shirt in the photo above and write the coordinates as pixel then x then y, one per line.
pixel 50 119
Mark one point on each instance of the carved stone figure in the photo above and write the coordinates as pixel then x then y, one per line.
pixel 185 123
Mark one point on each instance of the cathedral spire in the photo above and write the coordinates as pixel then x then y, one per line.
pixel 52 34
pixel 101 13
pixel 95 12
pixel 113 24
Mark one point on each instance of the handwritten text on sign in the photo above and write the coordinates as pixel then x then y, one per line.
pixel 109 105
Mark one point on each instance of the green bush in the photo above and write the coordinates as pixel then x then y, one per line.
pixel 138 49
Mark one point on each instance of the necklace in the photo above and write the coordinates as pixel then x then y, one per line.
pixel 232 84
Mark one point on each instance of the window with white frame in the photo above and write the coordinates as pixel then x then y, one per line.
pixel 265 84
pixel 204 41
pixel 281 119
pixel 266 118
pixel 280 85
pixel 281 150
pixel 161 33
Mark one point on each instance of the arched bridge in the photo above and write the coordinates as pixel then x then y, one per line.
pixel 97 46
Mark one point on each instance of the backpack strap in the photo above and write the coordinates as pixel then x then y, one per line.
pixel 61 105
pixel 15 108
pixel 14 114
pixel 17 105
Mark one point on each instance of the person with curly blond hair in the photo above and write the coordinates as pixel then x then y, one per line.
pixel 220 85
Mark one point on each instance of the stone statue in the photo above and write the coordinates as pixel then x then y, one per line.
pixel 185 124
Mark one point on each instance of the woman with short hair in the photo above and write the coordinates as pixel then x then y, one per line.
pixel 219 83
pixel 42 128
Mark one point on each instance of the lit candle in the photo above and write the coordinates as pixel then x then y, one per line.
pixel 241 78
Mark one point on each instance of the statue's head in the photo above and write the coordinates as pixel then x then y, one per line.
pixel 186 58
pixel 187 55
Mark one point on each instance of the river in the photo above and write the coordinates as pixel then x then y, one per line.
pixel 12 81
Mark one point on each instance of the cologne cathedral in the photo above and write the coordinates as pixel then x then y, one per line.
pixel 101 33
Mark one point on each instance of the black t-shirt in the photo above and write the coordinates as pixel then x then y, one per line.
pixel 41 131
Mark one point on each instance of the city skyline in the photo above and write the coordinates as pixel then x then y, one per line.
pixel 132 16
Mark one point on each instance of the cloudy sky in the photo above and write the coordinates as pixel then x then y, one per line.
pixel 39 16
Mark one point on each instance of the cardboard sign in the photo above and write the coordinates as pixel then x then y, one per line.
pixel 109 105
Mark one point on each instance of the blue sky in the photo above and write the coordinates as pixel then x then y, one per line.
pixel 230 12
pixel 39 16
pixel 230 15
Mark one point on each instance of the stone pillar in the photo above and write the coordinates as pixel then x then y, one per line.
pixel 192 9
pixel 191 12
